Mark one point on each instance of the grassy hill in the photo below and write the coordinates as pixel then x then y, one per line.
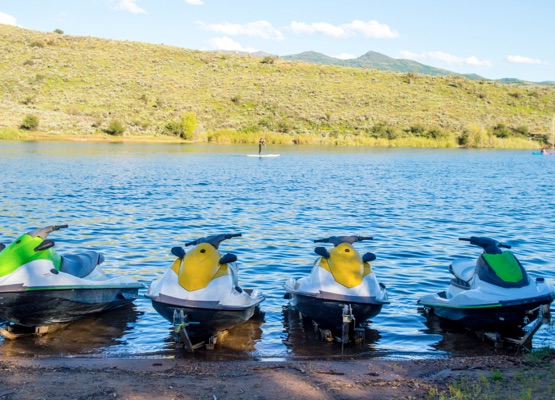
pixel 82 85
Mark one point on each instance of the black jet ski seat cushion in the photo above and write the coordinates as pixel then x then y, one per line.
pixel 81 265
pixel 502 270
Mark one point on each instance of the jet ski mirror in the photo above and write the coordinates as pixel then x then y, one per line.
pixel 178 251
pixel 46 244
pixel 322 251
pixel 2 246
pixel 228 258
pixel 368 257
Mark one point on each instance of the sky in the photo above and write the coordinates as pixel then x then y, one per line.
pixel 492 38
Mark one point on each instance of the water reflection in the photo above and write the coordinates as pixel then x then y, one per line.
pixel 457 340
pixel 238 342
pixel 91 335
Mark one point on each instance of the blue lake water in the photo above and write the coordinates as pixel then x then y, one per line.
pixel 135 201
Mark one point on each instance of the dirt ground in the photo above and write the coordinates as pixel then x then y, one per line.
pixel 102 378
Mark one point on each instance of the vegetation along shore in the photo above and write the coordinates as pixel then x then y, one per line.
pixel 54 85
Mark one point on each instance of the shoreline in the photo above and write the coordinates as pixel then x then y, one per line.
pixel 185 378
pixel 427 144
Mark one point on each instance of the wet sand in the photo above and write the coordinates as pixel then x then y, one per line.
pixel 155 378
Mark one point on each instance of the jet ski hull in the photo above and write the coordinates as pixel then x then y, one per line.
pixel 45 307
pixel 205 321
pixel 327 312
pixel 503 317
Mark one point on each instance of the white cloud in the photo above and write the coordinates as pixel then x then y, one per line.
pixel 195 2
pixel 524 60
pixel 345 56
pixel 371 29
pixel 261 29
pixel 447 58
pixel 129 5
pixel 7 19
pixel 225 43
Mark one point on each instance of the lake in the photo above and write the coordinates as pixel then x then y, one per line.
pixel 135 201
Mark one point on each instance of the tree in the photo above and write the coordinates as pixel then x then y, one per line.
pixel 189 124
pixel 30 122
pixel 115 128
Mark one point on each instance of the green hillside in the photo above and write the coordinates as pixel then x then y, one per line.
pixel 371 60
pixel 83 85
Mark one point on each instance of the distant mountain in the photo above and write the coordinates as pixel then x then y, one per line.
pixel 374 60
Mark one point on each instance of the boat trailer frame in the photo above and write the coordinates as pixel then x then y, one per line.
pixel 182 338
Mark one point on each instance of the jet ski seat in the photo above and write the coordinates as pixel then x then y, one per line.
pixel 463 270
pixel 81 265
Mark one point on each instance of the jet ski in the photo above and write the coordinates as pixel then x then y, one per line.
pixel 201 293
pixel 341 288
pixel 39 287
pixel 493 293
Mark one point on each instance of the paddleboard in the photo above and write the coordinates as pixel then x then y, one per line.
pixel 262 155
pixel 539 153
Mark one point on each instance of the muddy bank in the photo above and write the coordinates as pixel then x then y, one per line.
pixel 88 378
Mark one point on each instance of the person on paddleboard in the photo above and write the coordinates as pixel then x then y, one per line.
pixel 261 143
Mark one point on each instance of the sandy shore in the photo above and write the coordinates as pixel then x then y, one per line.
pixel 102 378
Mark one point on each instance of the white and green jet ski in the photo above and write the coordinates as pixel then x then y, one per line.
pixel 39 287
pixel 340 279
pixel 202 285
pixel 492 293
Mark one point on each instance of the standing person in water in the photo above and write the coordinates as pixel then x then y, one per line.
pixel 261 143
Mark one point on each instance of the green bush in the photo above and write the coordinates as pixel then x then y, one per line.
pixel 173 128
pixel 475 137
pixel 115 128
pixel 437 133
pixel 417 130
pixel 522 130
pixel 30 122
pixel 58 31
pixel 189 124
pixel 501 131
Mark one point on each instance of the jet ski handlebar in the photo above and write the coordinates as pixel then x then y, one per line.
pixel 490 246
pixel 214 240
pixel 336 240
pixel 43 232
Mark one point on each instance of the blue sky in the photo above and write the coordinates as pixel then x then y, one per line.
pixel 492 38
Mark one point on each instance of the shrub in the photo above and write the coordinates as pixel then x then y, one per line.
pixel 417 130
pixel 268 60
pixel 189 124
pixel 380 130
pixel 501 131
pixel 476 137
pixel 437 133
pixel 173 128
pixel 30 122
pixel 28 100
pixel 522 130
pixel 58 31
pixel 115 128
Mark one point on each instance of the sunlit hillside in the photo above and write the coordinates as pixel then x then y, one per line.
pixel 80 85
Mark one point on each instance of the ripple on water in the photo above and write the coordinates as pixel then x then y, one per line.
pixel 134 202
